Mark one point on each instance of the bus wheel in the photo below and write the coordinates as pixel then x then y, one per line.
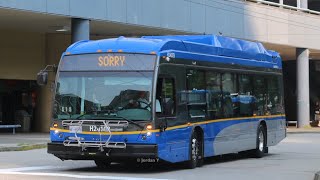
pixel 195 152
pixel 261 142
pixel 102 163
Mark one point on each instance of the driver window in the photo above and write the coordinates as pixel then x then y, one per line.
pixel 166 97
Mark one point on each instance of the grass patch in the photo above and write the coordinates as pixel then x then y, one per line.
pixel 23 147
pixel 30 147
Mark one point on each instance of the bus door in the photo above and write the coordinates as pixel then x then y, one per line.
pixel 173 139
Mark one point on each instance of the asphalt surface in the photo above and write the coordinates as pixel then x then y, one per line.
pixel 295 158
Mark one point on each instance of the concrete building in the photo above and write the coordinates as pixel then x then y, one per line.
pixel 34 33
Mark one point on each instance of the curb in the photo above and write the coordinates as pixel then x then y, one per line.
pixel 23 148
pixel 303 132
pixel 317 176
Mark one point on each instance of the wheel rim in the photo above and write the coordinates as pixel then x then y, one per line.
pixel 261 141
pixel 195 149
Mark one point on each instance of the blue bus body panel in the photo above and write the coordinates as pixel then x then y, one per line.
pixel 178 150
pixel 209 47
pixel 214 138
pixel 129 138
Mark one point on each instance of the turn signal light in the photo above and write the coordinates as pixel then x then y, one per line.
pixel 149 127
pixel 55 125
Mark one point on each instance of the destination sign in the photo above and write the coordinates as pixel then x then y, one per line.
pixel 108 62
pixel 111 60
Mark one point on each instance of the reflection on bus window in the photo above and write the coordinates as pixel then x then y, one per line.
pixel 274 98
pixel 214 96
pixel 246 99
pixel 196 95
pixel 230 95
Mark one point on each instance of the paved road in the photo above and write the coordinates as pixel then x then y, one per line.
pixel 295 158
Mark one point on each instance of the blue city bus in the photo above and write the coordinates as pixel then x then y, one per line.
pixel 170 98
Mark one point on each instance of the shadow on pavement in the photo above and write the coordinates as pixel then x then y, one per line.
pixel 161 167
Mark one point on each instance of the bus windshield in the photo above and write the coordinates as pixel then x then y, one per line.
pixel 100 95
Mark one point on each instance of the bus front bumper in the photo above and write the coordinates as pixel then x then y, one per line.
pixel 91 153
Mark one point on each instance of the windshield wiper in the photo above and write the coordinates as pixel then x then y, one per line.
pixel 132 122
pixel 111 117
pixel 88 113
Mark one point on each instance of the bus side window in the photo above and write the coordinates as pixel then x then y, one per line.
pixel 196 95
pixel 274 98
pixel 259 91
pixel 246 98
pixel 214 95
pixel 165 97
pixel 230 98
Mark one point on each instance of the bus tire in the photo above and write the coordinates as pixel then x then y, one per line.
pixel 196 152
pixel 261 148
pixel 102 163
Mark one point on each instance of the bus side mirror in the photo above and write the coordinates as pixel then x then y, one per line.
pixel 42 78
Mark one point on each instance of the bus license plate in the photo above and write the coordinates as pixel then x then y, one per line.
pixel 103 129
pixel 75 129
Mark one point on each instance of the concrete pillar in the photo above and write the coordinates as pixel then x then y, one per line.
pixel 303 104
pixel 80 29
pixel 302 4
pixel 281 2
pixel 55 45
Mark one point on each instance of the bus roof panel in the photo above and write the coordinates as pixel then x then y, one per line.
pixel 200 44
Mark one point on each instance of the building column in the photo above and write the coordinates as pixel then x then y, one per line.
pixel 80 29
pixel 303 99
pixel 281 2
pixel 302 4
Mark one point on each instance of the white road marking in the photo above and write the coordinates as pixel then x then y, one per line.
pixel 76 176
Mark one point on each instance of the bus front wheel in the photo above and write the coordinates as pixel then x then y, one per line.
pixel 196 152
pixel 102 163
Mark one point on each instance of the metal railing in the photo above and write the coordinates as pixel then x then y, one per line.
pixel 281 5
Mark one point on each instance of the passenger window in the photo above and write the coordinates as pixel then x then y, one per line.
pixel 274 97
pixel 230 101
pixel 259 91
pixel 196 95
pixel 246 98
pixel 165 98
pixel 214 95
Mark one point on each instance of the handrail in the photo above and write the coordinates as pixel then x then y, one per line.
pixel 285 6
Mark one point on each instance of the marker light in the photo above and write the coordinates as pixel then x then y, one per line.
pixel 56 131
pixel 149 127
pixel 109 50
pixel 149 133
pixel 120 50
pixel 99 50
pixel 55 125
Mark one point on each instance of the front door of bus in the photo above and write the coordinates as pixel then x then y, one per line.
pixel 172 141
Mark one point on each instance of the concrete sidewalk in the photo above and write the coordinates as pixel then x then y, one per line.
pixel 293 129
pixel 23 141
